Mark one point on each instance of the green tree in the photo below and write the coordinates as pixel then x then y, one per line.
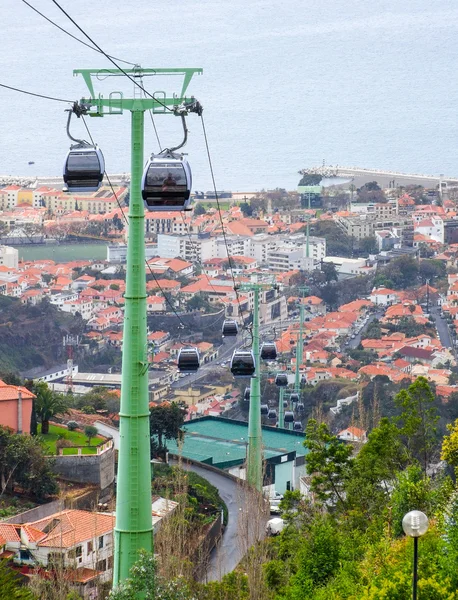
pixel 432 269
pixel 330 272
pixel 369 245
pixel 90 432
pixel 23 462
pixel 412 491
pixel 144 582
pixel 318 559
pixel 418 419
pixel 166 422
pixel 199 210
pixel 374 473
pixel 328 462
pixel 246 209
pixel 402 272
pixel 10 586
pixel 48 404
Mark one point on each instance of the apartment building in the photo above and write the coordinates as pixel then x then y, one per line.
pixel 9 257
pixel 193 248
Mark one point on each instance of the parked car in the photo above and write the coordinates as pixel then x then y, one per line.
pixel 274 526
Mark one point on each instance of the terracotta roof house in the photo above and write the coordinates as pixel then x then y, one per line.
pixel 15 407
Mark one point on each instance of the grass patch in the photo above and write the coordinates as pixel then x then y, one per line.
pixel 75 437
pixel 225 205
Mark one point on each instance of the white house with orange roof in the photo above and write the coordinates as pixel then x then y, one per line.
pixel 314 304
pixel 32 297
pixel 384 296
pixel 78 540
pixel 155 304
pixel 81 283
pixel 82 306
pixel 432 228
pixel 352 434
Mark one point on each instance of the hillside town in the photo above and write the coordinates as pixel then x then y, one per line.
pixel 362 303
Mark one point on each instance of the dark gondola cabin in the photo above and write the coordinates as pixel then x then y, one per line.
pixel 297 426
pixel 246 395
pixel 230 328
pixel 264 409
pixel 83 169
pixel 300 406
pixel 272 414
pixel 294 398
pixel 166 183
pixel 188 360
pixel 289 417
pixel 242 364
pixel 268 351
pixel 281 380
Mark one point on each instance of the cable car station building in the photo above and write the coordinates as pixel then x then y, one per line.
pixel 222 443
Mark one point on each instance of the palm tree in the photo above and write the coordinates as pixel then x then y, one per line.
pixel 48 404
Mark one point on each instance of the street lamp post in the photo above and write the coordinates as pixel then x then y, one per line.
pixel 415 524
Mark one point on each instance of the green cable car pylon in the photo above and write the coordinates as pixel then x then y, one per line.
pixel 134 530
pixel 254 452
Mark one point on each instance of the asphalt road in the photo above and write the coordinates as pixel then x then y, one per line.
pixel 228 553
pixel 442 327
pixel 354 343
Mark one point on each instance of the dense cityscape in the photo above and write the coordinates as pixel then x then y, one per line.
pixel 359 311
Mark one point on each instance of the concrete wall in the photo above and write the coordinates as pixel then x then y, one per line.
pixel 97 469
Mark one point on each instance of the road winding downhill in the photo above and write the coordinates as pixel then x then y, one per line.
pixel 228 552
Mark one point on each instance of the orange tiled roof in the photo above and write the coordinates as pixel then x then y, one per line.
pixel 10 392
pixel 73 527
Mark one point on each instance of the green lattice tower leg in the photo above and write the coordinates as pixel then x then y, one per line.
pixel 254 462
pixel 134 528
pixel 281 409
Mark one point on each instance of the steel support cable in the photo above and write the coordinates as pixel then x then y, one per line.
pixel 109 57
pixel 15 89
pixel 127 223
pixel 221 220
pixel 73 36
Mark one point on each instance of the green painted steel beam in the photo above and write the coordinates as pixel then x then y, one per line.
pixel 134 526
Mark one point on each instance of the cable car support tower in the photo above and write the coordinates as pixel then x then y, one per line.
pixel 254 452
pixel 133 529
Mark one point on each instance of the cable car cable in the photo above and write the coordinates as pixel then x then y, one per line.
pixel 110 59
pixel 15 89
pixel 221 219
pixel 168 301
pixel 74 36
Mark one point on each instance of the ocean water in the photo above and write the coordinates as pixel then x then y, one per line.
pixel 286 84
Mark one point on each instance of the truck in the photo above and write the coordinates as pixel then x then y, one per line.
pixel 274 526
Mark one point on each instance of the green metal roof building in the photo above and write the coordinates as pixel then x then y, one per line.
pixel 223 443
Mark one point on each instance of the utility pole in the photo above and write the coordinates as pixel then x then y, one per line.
pixel 254 454
pixel 133 529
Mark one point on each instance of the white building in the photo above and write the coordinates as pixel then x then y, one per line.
pixel 432 228
pixel 117 253
pixel 349 267
pixel 9 257
pixel 193 248
pixel 288 258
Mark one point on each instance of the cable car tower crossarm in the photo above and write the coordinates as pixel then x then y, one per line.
pixel 134 529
